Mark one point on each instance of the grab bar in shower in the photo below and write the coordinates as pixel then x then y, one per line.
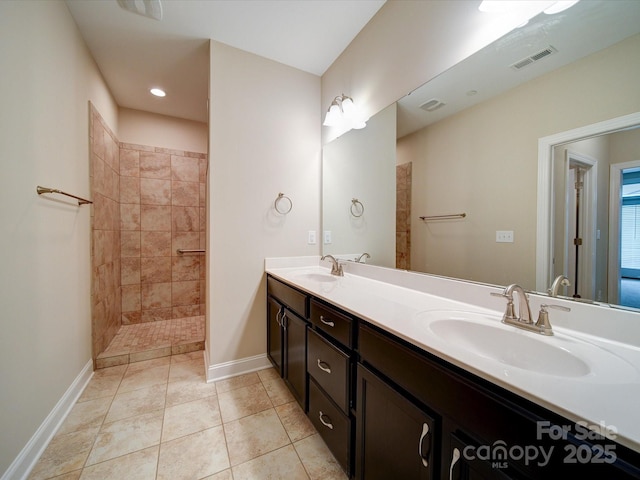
pixel 182 251
pixel 443 217
pixel 81 201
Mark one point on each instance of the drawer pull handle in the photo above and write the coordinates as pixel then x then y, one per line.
pixel 328 424
pixel 327 322
pixel 425 433
pixel 324 366
pixel 454 459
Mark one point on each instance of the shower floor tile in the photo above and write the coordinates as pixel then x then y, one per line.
pixel 144 341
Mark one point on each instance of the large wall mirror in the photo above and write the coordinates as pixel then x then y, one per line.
pixel 467 153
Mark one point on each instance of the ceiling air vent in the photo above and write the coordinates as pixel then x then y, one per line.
pixel 534 58
pixel 432 105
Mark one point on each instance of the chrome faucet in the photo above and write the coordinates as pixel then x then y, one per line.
pixel 560 281
pixel 336 268
pixel 523 319
pixel 365 255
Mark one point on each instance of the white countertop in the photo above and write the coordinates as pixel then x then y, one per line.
pixel 607 396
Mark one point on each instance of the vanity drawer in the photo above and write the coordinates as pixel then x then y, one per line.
pixel 333 425
pixel 292 298
pixel 332 322
pixel 329 366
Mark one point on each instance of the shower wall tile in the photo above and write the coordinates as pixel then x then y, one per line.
pixel 129 190
pixel 130 244
pixel 155 192
pixel 155 269
pixel 106 271
pixel 186 219
pixel 185 193
pixel 155 165
pixel 129 163
pixel 156 218
pixel 131 298
pixel 162 195
pixel 185 169
pixel 155 244
pixel 129 216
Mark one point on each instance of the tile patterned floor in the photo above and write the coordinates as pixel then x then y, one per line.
pixel 159 419
pixel 145 341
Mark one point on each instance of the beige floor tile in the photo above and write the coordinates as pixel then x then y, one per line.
pixel 140 465
pixel 193 369
pixel 147 364
pixel 187 357
pixel 136 379
pixel 126 436
pixel 85 415
pixel 224 475
pixel 243 401
pixel 318 460
pixel 268 374
pixel 101 386
pixel 69 476
pixel 280 464
pixel 64 454
pixel 194 456
pixel 136 402
pixel 255 435
pixel 278 391
pixel 188 390
pixel 295 422
pixel 190 417
pixel 237 382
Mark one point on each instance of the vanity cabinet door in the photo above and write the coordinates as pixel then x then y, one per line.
pixel 275 351
pixel 295 355
pixel 394 437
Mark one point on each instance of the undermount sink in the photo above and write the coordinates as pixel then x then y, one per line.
pixel 559 355
pixel 317 277
pixel 510 347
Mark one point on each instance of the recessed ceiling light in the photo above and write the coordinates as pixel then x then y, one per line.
pixel 158 92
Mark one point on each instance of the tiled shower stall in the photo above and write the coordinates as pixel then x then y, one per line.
pixel 149 202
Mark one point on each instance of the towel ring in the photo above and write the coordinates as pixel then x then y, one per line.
pixel 354 203
pixel 282 211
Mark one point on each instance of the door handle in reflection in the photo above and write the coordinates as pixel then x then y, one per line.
pixel 454 459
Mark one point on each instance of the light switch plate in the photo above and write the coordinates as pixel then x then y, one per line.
pixel 311 240
pixel 327 237
pixel 504 236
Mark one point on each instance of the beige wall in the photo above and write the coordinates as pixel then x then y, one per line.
pixel 407 43
pixel 483 161
pixel 145 128
pixel 265 139
pixel 47 81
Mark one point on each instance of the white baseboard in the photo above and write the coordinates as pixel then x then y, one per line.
pixel 233 368
pixel 27 458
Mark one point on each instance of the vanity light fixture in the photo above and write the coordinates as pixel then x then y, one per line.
pixel 510 6
pixel 344 114
pixel 158 92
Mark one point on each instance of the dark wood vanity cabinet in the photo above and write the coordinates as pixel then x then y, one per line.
pixel 479 430
pixel 388 409
pixel 330 363
pixel 287 310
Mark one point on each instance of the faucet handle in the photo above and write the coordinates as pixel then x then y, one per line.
pixel 510 311
pixel 543 318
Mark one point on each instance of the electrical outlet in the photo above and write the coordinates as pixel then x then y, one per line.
pixel 311 240
pixel 504 236
pixel 327 237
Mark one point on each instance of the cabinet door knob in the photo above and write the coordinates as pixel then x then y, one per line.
pixel 425 434
pixel 278 319
pixel 328 424
pixel 327 322
pixel 454 459
pixel 284 321
pixel 324 366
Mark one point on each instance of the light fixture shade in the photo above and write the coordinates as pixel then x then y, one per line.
pixel 333 117
pixel 560 6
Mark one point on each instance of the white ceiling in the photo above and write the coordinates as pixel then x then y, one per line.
pixel 135 53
